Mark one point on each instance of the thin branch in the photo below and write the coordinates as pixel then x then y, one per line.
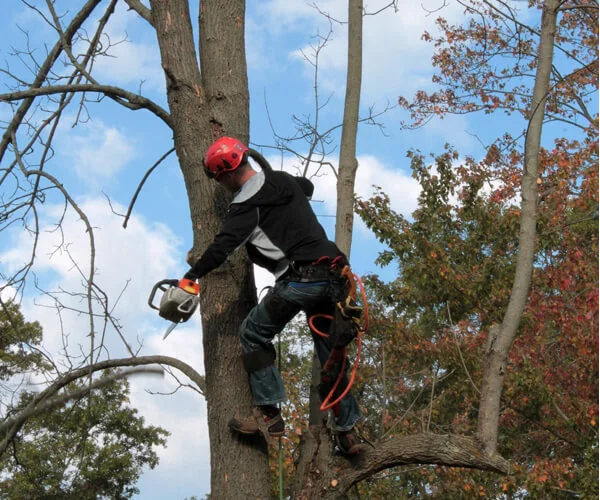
pixel 431 399
pixel 44 69
pixel 141 184
pixel 462 359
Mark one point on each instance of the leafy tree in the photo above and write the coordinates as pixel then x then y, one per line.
pixel 84 449
pixel 458 257
pixel 87 448
pixel 18 341
pixel 455 259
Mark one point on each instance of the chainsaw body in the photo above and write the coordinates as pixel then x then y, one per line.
pixel 179 300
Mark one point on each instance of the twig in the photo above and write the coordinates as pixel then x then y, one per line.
pixel 462 359
pixel 141 184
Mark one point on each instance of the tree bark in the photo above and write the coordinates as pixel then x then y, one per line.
pixel 500 339
pixel 204 107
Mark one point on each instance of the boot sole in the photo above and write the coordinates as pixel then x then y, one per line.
pixel 255 433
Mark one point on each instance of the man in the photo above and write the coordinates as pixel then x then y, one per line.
pixel 270 214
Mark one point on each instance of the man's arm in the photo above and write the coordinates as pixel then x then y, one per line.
pixel 237 228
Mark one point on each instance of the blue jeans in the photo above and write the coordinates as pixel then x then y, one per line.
pixel 269 318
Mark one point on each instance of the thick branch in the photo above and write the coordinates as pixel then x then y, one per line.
pixel 141 9
pixel 448 450
pixel 137 100
pixel 501 339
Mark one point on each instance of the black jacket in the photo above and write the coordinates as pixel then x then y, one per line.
pixel 272 216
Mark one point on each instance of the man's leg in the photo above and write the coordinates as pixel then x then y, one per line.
pixel 257 331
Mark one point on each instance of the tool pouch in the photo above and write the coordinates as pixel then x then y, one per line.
pixel 346 315
pixel 343 328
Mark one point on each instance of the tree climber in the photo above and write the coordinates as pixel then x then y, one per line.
pixel 271 215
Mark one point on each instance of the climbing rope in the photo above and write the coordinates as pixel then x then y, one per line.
pixel 327 403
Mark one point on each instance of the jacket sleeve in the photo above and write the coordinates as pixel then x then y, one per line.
pixel 235 231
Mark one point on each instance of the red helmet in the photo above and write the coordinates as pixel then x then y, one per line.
pixel 224 155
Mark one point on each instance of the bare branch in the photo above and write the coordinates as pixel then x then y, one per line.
pixel 9 428
pixel 141 9
pixel 136 101
pixel 141 184
pixel 44 70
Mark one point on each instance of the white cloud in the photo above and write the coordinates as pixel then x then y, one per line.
pixel 96 152
pixel 132 259
pixel 402 189
pixel 395 59
pixel 130 62
pixel 263 279
pixel 140 255
pixel 186 458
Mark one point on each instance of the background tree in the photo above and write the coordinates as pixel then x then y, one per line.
pixel 19 341
pixel 450 295
pixel 84 448
pixel 348 163
pixel 456 259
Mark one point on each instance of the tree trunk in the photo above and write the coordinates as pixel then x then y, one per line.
pixel 501 339
pixel 348 165
pixel 204 107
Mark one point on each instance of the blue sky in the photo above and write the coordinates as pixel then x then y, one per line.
pixel 106 157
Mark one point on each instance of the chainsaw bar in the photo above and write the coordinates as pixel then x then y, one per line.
pixel 169 330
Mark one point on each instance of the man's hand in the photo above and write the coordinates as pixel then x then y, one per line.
pixel 191 258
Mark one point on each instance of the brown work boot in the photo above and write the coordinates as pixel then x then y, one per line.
pixel 348 443
pixel 258 423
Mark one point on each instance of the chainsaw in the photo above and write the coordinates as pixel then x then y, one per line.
pixel 178 303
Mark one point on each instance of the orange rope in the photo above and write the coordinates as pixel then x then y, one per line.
pixel 326 404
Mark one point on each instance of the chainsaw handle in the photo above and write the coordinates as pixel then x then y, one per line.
pixel 162 285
